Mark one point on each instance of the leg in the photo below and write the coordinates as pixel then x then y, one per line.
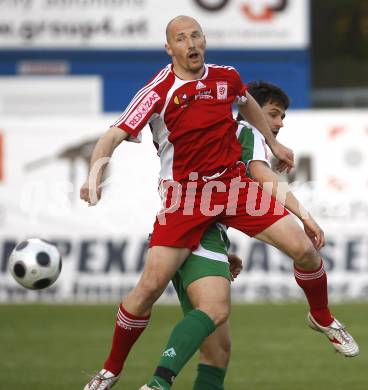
pixel 215 350
pixel 161 264
pixel 282 231
pixel 210 259
pixel 210 297
pixel 211 294
pixel 214 359
pixel 289 237
pixel 311 277
pixel 259 215
pixel 134 312
pixel 286 235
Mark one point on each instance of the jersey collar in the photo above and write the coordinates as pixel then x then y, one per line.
pixel 205 73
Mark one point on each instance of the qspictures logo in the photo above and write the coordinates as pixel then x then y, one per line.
pixel 256 10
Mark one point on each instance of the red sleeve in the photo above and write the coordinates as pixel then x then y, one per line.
pixel 139 112
pixel 240 87
pixel 147 102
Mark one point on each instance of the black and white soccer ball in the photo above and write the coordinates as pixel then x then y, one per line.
pixel 35 263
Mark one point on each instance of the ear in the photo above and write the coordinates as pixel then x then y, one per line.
pixel 168 49
pixel 205 41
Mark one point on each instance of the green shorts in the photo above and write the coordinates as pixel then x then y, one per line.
pixel 209 259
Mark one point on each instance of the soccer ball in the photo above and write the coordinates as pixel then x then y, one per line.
pixel 35 263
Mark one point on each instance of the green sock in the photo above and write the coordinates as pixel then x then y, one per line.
pixel 209 378
pixel 184 341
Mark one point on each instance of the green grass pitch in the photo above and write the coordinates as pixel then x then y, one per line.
pixel 44 347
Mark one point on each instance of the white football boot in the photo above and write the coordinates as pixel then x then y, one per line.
pixel 146 387
pixel 103 380
pixel 339 337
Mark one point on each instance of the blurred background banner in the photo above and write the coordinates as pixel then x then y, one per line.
pixel 122 43
pixel 45 161
pixel 140 24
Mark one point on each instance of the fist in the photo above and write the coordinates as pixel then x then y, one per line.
pixel 90 194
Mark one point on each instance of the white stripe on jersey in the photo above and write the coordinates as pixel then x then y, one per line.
pixel 260 152
pixel 177 84
pixel 160 135
pixel 141 93
pixel 200 251
pixel 221 66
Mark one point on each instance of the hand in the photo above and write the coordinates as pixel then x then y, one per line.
pixel 281 166
pixel 284 155
pixel 314 232
pixel 92 194
pixel 236 265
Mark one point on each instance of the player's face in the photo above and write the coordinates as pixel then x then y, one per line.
pixel 275 114
pixel 186 45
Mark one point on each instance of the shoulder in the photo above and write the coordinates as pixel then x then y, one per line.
pixel 163 76
pixel 246 128
pixel 222 69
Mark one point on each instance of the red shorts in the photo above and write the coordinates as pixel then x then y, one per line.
pixel 232 199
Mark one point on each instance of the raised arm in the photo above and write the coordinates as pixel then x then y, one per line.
pixel 252 112
pixel 105 146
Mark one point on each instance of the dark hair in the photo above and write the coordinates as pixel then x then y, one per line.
pixel 264 93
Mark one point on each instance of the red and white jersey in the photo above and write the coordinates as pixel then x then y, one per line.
pixel 191 120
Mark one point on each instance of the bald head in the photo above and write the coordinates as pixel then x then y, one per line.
pixel 186 46
pixel 177 22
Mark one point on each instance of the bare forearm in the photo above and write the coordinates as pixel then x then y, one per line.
pixel 280 190
pixel 104 149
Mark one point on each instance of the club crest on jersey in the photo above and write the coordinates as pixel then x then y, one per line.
pixel 221 90
pixel 137 116
pixel 180 99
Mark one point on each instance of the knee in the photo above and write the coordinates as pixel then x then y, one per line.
pixel 218 313
pixel 306 256
pixel 221 317
pixel 151 288
pixel 146 292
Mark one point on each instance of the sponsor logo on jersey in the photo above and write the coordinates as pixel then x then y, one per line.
pixel 200 85
pixel 204 95
pixel 169 353
pixel 138 115
pixel 221 90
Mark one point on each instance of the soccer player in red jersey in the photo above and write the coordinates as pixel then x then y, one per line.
pixel 189 108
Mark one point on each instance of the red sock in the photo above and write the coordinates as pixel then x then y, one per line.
pixel 127 330
pixel 314 284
